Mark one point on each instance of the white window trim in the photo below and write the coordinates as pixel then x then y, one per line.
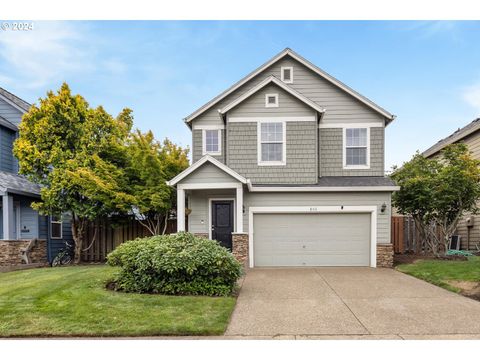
pixel 291 74
pixel 210 200
pixel 344 145
pixel 61 228
pixel 314 210
pixel 267 104
pixel 204 142
pixel 259 145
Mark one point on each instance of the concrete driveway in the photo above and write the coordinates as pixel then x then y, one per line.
pixel 363 303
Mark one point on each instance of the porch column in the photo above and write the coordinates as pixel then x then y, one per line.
pixel 7 210
pixel 180 210
pixel 240 209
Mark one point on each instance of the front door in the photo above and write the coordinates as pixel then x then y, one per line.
pixel 222 222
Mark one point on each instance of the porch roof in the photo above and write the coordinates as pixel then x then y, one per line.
pixel 17 184
pixel 206 159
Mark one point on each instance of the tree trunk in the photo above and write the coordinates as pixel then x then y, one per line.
pixel 78 233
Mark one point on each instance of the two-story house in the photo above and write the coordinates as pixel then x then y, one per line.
pixel 288 170
pixel 21 226
pixel 468 227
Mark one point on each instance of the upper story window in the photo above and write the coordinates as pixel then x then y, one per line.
pixel 56 227
pixel 212 141
pixel 356 148
pixel 271 100
pixel 287 74
pixel 271 143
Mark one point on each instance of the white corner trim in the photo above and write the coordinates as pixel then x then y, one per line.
pixel 253 188
pixel 279 83
pixel 291 74
pixel 272 119
pixel 302 61
pixel 344 145
pixel 210 200
pixel 314 210
pixel 202 161
pixel 207 186
pixel 283 162
pixel 204 142
pixel 209 127
pixel 350 125
pixel 269 105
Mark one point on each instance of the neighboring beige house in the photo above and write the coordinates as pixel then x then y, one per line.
pixel 469 226
pixel 288 170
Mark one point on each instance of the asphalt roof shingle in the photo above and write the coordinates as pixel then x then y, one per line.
pixel 15 99
pixel 17 183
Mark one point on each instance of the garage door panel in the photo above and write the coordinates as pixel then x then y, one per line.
pixel 311 239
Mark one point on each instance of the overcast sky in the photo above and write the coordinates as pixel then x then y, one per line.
pixel 426 73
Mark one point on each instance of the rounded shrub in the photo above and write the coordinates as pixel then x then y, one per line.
pixel 176 264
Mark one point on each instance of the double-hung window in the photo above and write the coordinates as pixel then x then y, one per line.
pixel 271 147
pixel 56 227
pixel 212 141
pixel 357 151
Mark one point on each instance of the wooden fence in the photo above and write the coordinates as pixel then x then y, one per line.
pixel 109 237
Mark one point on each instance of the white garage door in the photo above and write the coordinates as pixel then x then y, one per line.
pixel 311 239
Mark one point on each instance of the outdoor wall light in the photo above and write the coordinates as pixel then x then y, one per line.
pixel 243 209
pixel 383 208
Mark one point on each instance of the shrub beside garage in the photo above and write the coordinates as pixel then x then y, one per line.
pixel 176 264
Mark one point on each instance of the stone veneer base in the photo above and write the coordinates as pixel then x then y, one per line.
pixel 240 247
pixel 10 252
pixel 385 255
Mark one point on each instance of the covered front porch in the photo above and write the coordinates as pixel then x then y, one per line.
pixel 211 195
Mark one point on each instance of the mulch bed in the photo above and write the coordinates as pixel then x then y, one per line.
pixel 412 258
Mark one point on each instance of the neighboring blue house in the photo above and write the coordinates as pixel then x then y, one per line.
pixel 19 223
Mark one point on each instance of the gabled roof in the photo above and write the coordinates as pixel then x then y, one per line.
pixel 456 136
pixel 17 184
pixel 14 100
pixel 308 64
pixel 203 160
pixel 279 83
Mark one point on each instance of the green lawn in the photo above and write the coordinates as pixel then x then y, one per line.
pixel 439 271
pixel 73 301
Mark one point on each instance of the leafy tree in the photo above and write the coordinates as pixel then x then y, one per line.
pixel 437 192
pixel 150 164
pixel 76 153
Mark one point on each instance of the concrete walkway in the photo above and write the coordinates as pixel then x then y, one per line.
pixel 349 303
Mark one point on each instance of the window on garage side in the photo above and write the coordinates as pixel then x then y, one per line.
pixel 272 145
pixel 356 152
pixel 56 227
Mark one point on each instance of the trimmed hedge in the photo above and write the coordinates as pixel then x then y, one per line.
pixel 176 264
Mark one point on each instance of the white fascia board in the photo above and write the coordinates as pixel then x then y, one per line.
pixel 271 119
pixel 280 84
pixel 306 63
pixel 350 125
pixel 253 188
pixel 209 127
pixel 202 161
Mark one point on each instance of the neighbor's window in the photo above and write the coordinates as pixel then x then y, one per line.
pixel 56 227
pixel 356 147
pixel 272 141
pixel 271 100
pixel 212 142
pixel 287 74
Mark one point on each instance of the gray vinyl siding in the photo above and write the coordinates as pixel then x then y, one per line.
pixel 43 227
pixel 326 199
pixel 331 153
pixel 301 154
pixel 198 202
pixel 340 108
pixel 7 161
pixel 197 146
pixel 198 220
pixel 10 113
pixel 208 173
pixel 254 106
pixel 56 245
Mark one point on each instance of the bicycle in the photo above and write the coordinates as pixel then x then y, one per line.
pixel 65 256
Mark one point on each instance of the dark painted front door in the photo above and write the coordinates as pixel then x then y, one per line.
pixel 222 222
